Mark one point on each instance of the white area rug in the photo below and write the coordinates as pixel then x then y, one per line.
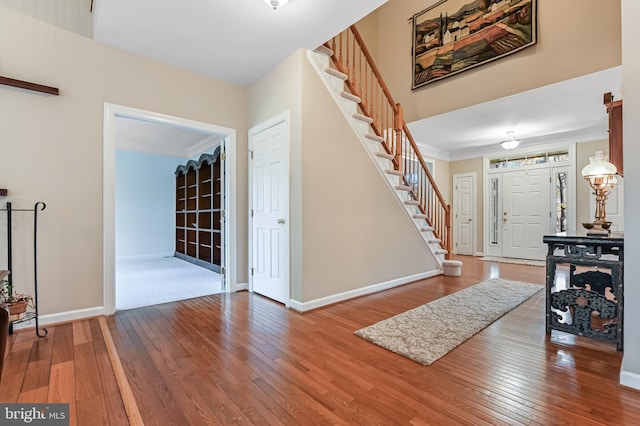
pixel 153 281
pixel 514 260
pixel 428 332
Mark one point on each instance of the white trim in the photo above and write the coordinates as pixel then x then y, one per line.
pixel 375 288
pixel 61 317
pixel 474 215
pixel 242 286
pixel 111 111
pixel 630 379
pixel 283 117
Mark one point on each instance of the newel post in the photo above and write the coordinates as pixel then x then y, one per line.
pixel 397 127
pixel 449 246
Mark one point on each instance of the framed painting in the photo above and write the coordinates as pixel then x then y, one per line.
pixel 456 35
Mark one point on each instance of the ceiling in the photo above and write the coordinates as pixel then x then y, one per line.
pixel 232 40
pixel 241 40
pixel 569 111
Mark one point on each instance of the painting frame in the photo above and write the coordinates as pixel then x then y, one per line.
pixel 453 36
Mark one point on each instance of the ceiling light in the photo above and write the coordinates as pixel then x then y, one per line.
pixel 275 4
pixel 511 142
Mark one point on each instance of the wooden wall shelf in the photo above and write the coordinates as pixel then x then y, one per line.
pixel 29 86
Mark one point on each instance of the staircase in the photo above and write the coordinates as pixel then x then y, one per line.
pixel 348 71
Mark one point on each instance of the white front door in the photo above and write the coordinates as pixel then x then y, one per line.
pixel 526 213
pixel 270 203
pixel 463 224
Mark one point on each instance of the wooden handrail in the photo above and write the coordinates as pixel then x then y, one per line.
pixel 423 164
pixel 374 67
pixel 351 57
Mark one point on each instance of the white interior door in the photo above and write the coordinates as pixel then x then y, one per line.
pixel 464 225
pixel 526 213
pixel 270 203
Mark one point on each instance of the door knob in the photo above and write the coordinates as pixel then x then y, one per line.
pixel 281 221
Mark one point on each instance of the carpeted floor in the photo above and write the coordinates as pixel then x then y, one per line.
pixel 428 332
pixel 514 260
pixel 153 281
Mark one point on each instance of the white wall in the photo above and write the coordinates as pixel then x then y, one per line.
pixel 145 204
pixel 631 109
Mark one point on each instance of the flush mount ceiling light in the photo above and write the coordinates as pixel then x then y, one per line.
pixel 511 142
pixel 275 4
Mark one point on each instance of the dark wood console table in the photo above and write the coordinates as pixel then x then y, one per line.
pixel 591 303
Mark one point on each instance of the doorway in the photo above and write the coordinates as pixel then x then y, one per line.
pixel 226 136
pixel 528 195
pixel 269 204
pixel 464 218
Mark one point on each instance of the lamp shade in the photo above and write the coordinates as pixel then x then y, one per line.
pixel 510 144
pixel 511 141
pixel 276 3
pixel 599 166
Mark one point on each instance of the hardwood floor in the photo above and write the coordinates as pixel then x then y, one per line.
pixel 243 359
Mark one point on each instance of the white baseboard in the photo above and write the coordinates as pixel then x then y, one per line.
pixel 61 317
pixel 478 254
pixel 242 286
pixel 340 297
pixel 145 256
pixel 630 379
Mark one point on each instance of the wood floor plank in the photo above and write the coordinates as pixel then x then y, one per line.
pixel 62 387
pixel 81 332
pixel 63 344
pixel 35 396
pixel 36 375
pixel 244 359
pixel 87 376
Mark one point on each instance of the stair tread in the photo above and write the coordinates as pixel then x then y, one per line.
pixel 335 73
pixel 322 49
pixel 374 137
pixel 403 188
pixel 362 117
pixel 350 96
pixel 382 154
pixel 394 172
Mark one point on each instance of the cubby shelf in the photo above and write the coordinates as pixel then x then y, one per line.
pixel 198 211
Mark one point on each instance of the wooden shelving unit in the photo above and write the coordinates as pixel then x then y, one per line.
pixel 198 211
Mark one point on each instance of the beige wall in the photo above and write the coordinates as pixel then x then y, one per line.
pixel 575 37
pixel 52 147
pixel 347 230
pixel 355 232
pixel 279 91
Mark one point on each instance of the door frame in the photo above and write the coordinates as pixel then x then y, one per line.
pixel 110 113
pixel 474 214
pixel 487 172
pixel 283 117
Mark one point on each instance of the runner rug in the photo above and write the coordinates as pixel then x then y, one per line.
pixel 428 332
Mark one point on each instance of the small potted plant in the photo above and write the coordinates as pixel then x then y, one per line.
pixel 15 303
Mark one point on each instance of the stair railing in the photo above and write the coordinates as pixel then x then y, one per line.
pixel 351 57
